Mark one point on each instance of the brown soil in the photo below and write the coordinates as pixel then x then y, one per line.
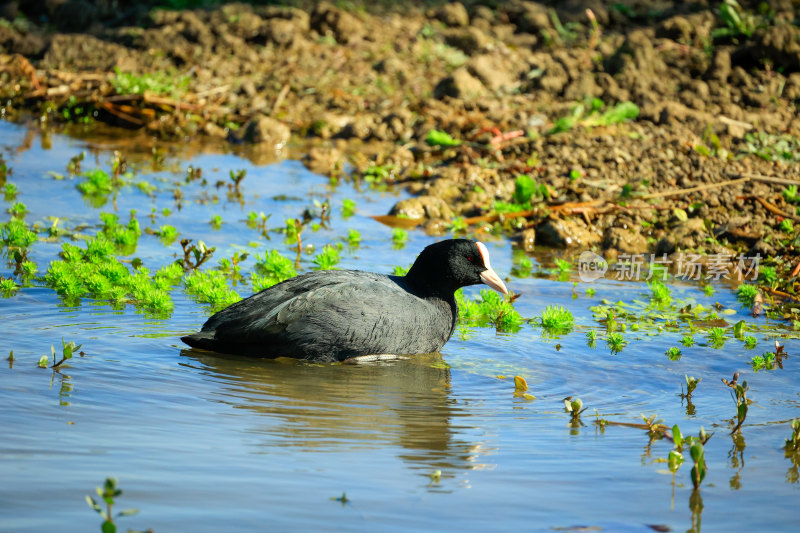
pixel 366 89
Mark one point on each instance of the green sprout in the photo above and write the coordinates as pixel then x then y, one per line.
pixel 691 384
pixel 353 238
pixel 327 259
pixel 661 292
pixel 348 208
pixel 270 269
pixel 216 222
pixel 399 237
pixel 616 342
pixel 766 361
pixel 10 191
pixel 107 493
pixel 167 234
pixel 716 336
pixel 750 342
pixel 18 210
pixel 709 290
pixel 746 293
pixel 768 275
pixel 786 226
pixel 674 353
pixel 557 319
pixel 574 406
pixel 210 287
pixel 563 265
pixel 687 340
pixel 8 287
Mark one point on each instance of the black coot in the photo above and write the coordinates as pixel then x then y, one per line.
pixel 334 315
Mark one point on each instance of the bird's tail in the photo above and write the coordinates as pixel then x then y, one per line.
pixel 201 339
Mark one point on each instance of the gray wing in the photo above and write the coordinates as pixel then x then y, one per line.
pixel 334 315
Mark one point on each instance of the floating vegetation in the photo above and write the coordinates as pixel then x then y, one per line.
pixel 716 337
pixel 674 353
pixel 353 238
pixel 661 292
pixel 95 272
pixel 399 238
pixel 746 293
pixel 328 258
pixel 210 287
pixel 687 340
pixel 574 406
pixel 491 309
pixel 348 208
pixel 616 342
pixel 557 319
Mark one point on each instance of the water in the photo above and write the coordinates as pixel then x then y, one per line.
pixel 435 443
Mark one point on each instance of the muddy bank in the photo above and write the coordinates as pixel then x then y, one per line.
pixel 644 127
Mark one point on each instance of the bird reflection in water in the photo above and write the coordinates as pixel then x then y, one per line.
pixel 343 407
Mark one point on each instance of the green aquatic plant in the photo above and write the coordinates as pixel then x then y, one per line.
pixel 768 275
pixel 674 353
pixel 167 234
pixel 793 442
pixel 746 293
pixel 563 265
pixel 791 195
pixel 691 385
pixel 739 395
pixel 236 178
pixel 125 237
pixel 399 237
pixel 490 309
pixel 97 183
pixel 574 406
pixel 402 271
pixel 270 269
pixel 107 493
pixel 557 319
pixel 616 342
pixel 522 268
pixel 591 291
pixel 95 272
pixel 716 337
pixel 216 222
pixel 766 361
pixel 661 292
pixel 348 208
pixel 210 287
pixel 8 287
pixel 750 342
pixel 687 340
pixel 786 226
pixel 195 255
pixel 353 238
pixel 10 191
pixel 327 259
pixel 709 290
pixel 18 210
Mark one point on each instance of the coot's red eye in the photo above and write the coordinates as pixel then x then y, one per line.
pixel 469 258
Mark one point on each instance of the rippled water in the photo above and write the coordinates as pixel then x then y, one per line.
pixel 435 443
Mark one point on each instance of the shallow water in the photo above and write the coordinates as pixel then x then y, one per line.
pixel 204 443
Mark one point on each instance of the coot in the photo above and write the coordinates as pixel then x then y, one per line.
pixel 335 315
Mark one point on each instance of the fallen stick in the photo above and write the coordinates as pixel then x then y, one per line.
pixel 773 209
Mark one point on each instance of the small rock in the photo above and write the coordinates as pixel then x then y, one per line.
pixel 323 160
pixel 493 72
pixel 566 233
pixel 327 19
pixel 469 40
pixel 266 130
pixel 627 241
pixel 430 207
pixel 453 14
pixel 461 84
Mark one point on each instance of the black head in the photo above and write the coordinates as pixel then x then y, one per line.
pixel 445 266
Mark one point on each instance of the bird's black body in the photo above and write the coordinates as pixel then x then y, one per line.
pixel 338 314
